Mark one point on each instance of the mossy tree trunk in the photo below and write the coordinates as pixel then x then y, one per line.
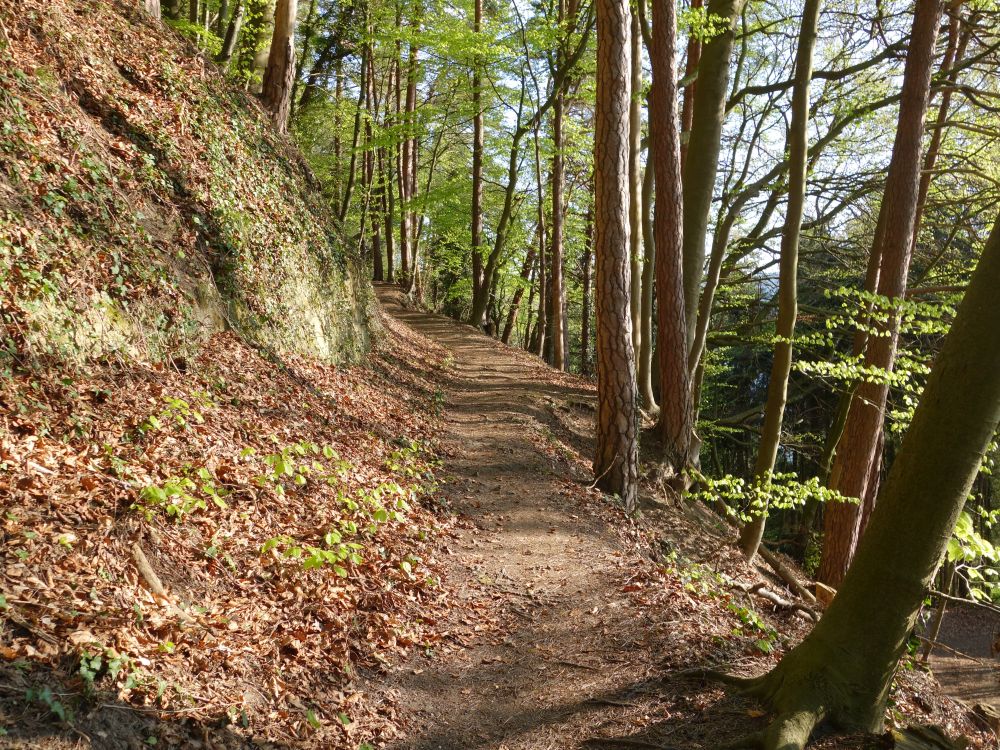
pixel 843 670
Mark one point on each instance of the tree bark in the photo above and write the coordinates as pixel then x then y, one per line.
pixel 645 366
pixel 586 311
pixel 690 69
pixel 843 670
pixel 193 11
pixel 635 182
pixel 225 55
pixel 279 75
pixel 616 459
pixel 704 145
pixel 556 321
pixel 852 465
pixel 152 8
pixel 676 418
pixel 781 366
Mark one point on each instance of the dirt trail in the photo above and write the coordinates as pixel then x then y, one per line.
pixel 556 565
pixel 585 654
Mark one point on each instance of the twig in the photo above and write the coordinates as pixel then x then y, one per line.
pixel 946 647
pixel 959 600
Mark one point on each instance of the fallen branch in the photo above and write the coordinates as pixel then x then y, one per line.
pixel 785 574
pixel 153 582
pixel 761 590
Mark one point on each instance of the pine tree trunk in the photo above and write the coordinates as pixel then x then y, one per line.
pixel 856 452
pixel 616 459
pixel 781 366
pixel 676 419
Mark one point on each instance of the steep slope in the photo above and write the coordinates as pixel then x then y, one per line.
pixel 145 204
pixel 216 462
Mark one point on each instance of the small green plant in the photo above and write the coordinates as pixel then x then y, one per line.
pixel 47 698
pixel 181 496
pixel 765 637
pixel 337 553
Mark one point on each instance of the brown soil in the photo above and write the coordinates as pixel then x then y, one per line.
pixel 966 667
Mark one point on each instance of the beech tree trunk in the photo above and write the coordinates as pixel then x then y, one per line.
pixel 279 75
pixel 843 670
pixel 225 55
pixel 704 145
pixel 690 68
pixel 852 465
pixel 676 419
pixel 616 459
pixel 152 8
pixel 556 322
pixel 781 366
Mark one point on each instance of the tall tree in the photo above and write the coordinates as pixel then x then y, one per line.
pixel 676 420
pixel 891 251
pixel 635 181
pixel 232 37
pixel 788 282
pixel 279 75
pixel 704 145
pixel 843 670
pixel 616 460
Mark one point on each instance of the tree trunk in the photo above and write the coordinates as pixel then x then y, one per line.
pixel 690 69
pixel 788 300
pixel 352 170
pixel 515 304
pixel 676 419
pixel 843 670
pixel 635 182
pixel 411 284
pixel 280 73
pixel 193 11
pixel 616 459
pixel 852 464
pixel 173 9
pixel 704 144
pixel 220 20
pixel 152 7
pixel 225 55
pixel 586 312
pixel 645 366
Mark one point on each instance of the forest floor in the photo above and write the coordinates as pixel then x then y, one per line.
pixel 583 619
pixel 965 664
pixel 510 606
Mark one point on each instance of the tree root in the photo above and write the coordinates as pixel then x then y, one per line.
pixel 740 684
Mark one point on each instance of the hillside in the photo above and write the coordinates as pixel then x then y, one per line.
pixel 204 516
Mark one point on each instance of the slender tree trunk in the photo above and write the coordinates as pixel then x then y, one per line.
pixel 152 8
pixel 586 312
pixel 225 55
pixel 515 304
pixel 411 283
pixel 352 170
pixel 788 304
pixel 705 141
pixel 676 425
pixel 542 320
pixel 856 453
pixel 616 459
pixel 635 181
pixel 193 11
pixel 477 161
pixel 220 20
pixel 279 75
pixel 389 208
pixel 690 69
pixel 645 365
pixel 843 670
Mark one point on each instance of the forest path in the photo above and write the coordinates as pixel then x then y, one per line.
pixel 553 568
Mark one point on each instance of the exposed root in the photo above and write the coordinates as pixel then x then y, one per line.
pixel 740 684
pixel 753 741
